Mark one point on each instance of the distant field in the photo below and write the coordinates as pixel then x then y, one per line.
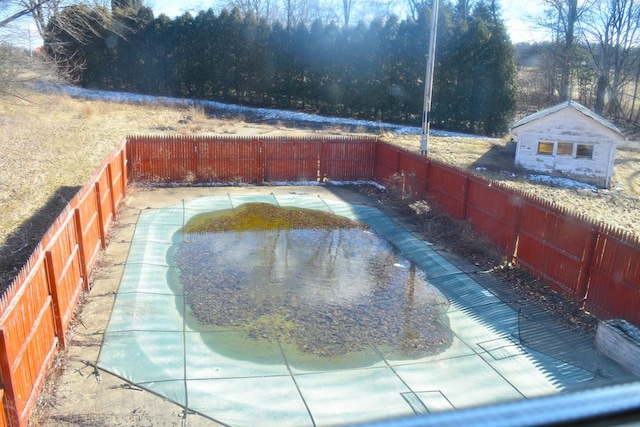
pixel 50 145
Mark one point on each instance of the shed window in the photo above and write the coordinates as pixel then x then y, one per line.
pixel 545 148
pixel 584 151
pixel 565 149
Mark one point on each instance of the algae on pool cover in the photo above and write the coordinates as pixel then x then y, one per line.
pixel 310 279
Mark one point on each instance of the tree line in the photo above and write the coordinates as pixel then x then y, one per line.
pixel 373 70
pixel 592 55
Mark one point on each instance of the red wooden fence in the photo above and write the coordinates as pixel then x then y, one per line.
pixel 290 160
pixel 229 159
pixel 614 276
pixel 27 339
pixel 37 308
pixel 592 264
pixel 556 246
pixel 588 262
pixel 493 211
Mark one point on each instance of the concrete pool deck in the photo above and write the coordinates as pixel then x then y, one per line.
pixel 86 395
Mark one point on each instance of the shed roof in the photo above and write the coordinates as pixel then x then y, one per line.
pixel 568 104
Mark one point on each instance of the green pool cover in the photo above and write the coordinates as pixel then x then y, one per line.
pixel 153 342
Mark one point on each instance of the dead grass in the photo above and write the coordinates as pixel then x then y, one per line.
pixel 58 141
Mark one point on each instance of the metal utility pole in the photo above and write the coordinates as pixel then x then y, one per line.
pixel 428 81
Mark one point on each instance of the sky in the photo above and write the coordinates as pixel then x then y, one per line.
pixel 516 13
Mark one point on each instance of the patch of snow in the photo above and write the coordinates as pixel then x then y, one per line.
pixel 371 183
pixel 265 114
pixel 274 183
pixel 294 183
pixel 562 182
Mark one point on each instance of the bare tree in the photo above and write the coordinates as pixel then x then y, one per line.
pixel 613 37
pixel 634 113
pixel 78 20
pixel 17 69
pixel 563 18
pixel 296 12
pixel 18 64
pixel 417 7
pixel 349 11
pixel 347 7
pixel 261 9
pixel 42 11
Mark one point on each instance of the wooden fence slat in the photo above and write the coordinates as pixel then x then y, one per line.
pixel 291 160
pixel 3 414
pixel 91 232
pixel 65 276
pixel 447 188
pixel 387 161
pixel 614 284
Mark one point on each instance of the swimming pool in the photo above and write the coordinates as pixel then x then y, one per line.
pixel 153 340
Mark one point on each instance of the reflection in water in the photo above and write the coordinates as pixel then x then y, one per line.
pixel 329 290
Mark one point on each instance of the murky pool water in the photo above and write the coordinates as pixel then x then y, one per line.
pixel 304 278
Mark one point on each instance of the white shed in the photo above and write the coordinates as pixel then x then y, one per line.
pixel 570 140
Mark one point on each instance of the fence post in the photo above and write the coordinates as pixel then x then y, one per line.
pixel 83 262
pixel 103 240
pixel 583 286
pixel 465 196
pixel 131 160
pixel 111 196
pixel 427 166
pixel 123 168
pixel 53 289
pixel 512 248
